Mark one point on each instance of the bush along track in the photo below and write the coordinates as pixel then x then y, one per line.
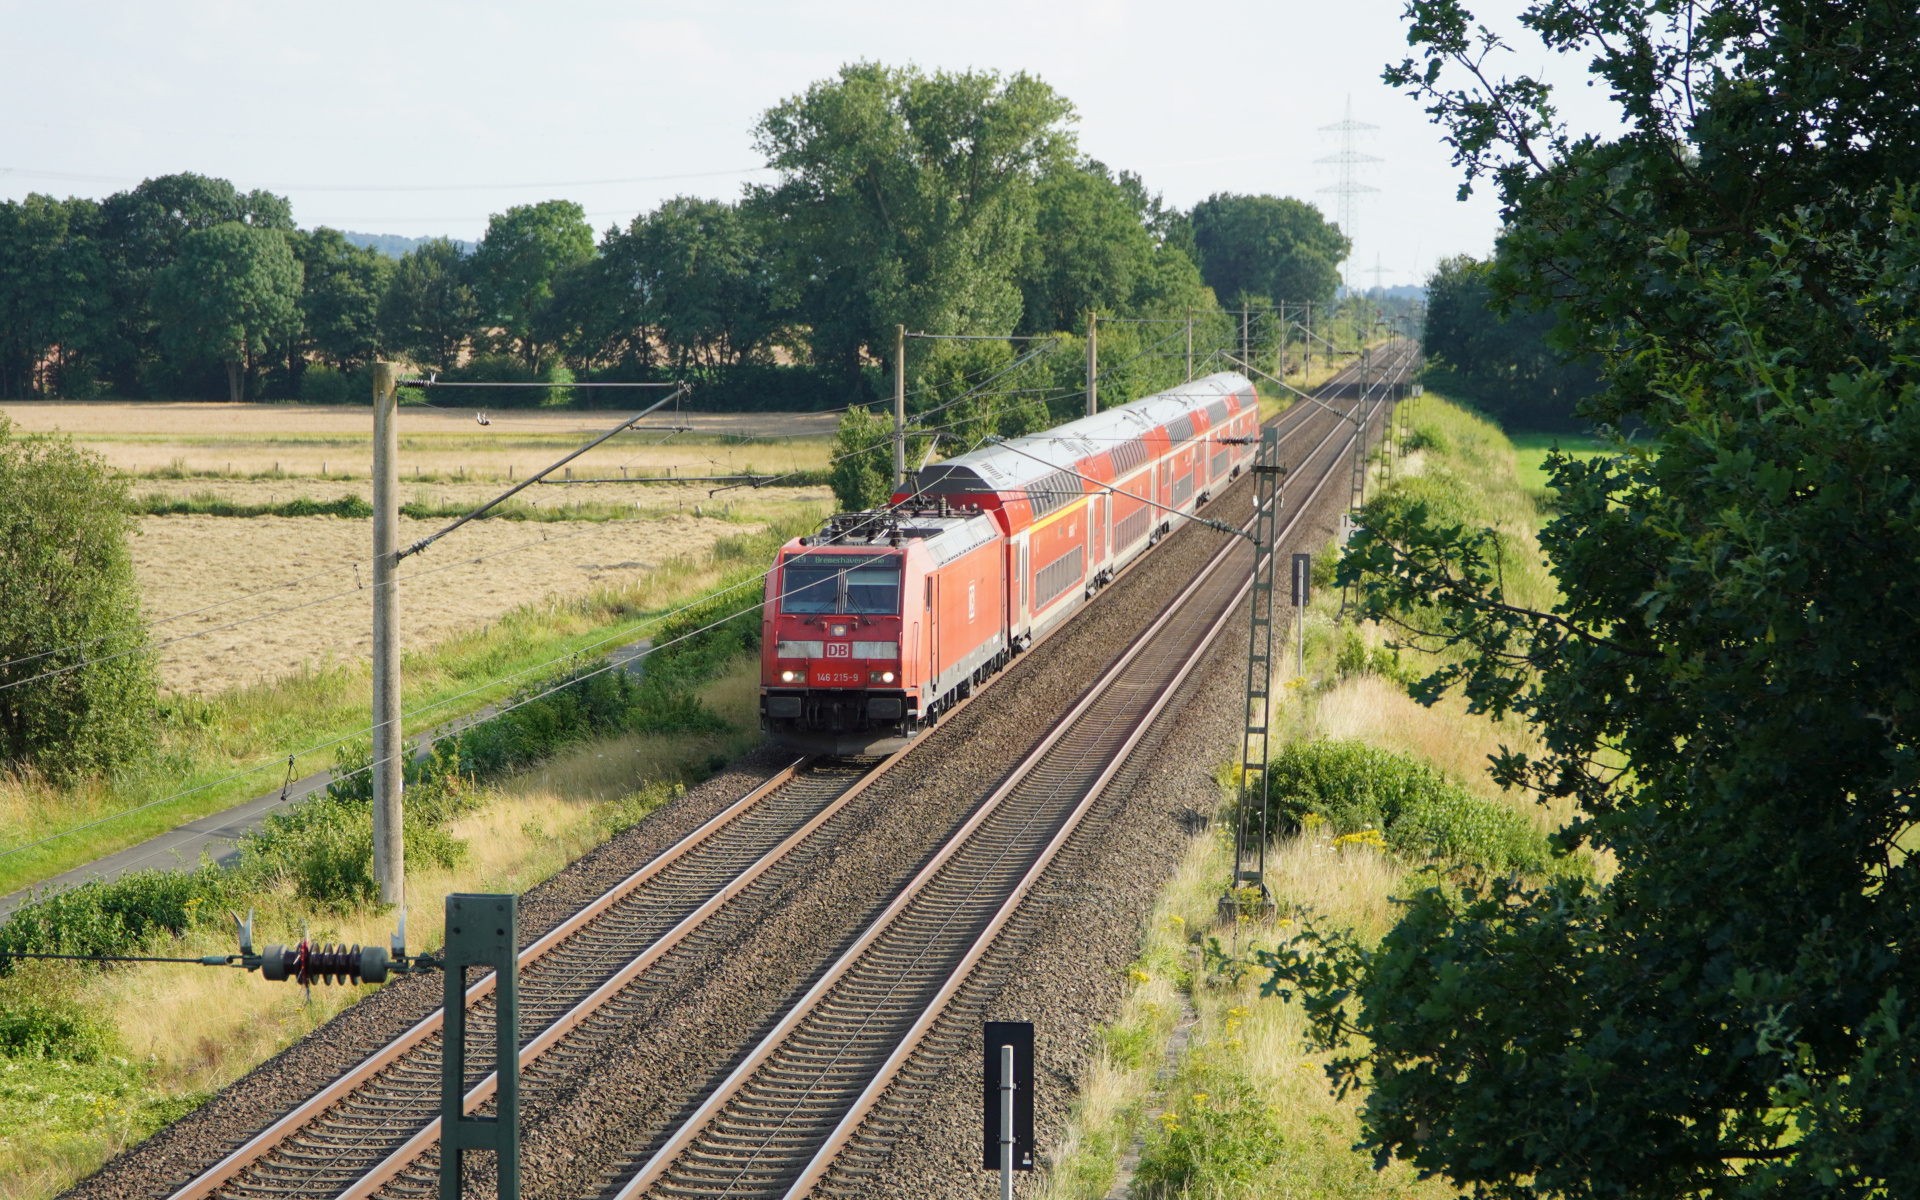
pixel 1364 815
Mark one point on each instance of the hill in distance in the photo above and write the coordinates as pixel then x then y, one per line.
pixel 393 245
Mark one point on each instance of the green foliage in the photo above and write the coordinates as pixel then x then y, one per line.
pixel 692 274
pixel 1355 656
pixel 1221 1138
pixel 1268 246
pixel 215 506
pixel 118 917
pixel 1419 811
pixel 340 295
pixel 49 298
pixel 501 368
pixel 323 847
pixel 35 1024
pixel 905 198
pixel 69 611
pixel 429 312
pixel 1724 686
pixel 233 292
pixel 1501 362
pixel 862 475
pixel 525 253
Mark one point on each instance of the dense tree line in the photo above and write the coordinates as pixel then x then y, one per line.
pixel 1500 357
pixel 950 203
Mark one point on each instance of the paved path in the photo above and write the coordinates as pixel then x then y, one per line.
pixel 218 835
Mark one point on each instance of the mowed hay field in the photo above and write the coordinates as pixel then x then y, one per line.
pixel 473 576
pixel 265 454
pixel 205 438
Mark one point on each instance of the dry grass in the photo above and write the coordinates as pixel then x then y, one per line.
pixel 474 578
pixel 1235 1034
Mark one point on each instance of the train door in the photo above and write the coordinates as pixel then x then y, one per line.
pixel 933 633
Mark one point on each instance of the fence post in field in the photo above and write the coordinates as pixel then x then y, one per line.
pixel 389 861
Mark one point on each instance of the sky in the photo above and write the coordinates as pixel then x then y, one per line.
pixel 422 118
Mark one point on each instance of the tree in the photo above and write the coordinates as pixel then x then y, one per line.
pixel 525 251
pixel 234 292
pixel 904 198
pixel 141 233
pixel 1089 251
pixel 862 475
pixel 1504 364
pixel 429 312
pixel 341 289
pixel 1271 246
pixel 49 301
pixel 78 687
pixel 692 275
pixel 1727 687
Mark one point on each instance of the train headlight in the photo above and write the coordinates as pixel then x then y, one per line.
pixel 879 676
pixel 886 677
pixel 786 677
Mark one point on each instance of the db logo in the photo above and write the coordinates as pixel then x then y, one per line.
pixel 839 650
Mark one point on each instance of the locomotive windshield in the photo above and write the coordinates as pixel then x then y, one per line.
pixel 841 583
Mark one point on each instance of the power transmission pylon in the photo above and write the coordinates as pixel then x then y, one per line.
pixel 1347 189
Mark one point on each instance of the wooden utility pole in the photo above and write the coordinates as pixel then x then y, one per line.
pixel 899 408
pixel 1093 363
pixel 389 848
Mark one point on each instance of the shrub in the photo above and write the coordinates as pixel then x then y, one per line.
pixel 504 368
pixel 68 604
pixel 1220 1138
pixel 323 847
pixel 34 1026
pixel 118 916
pixel 327 385
pixel 1418 810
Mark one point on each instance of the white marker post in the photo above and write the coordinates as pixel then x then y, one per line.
pixel 1006 1123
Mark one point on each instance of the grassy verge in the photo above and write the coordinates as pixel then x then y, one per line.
pixel 93 1061
pixel 254 729
pixel 1371 794
pixel 1530 450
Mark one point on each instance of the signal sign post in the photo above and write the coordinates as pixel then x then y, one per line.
pixel 1006 1078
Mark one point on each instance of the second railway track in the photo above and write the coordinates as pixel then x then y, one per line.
pixel 821 1083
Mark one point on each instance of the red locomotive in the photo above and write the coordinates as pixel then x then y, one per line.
pixel 883 620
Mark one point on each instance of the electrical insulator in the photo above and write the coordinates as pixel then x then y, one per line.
pixel 309 964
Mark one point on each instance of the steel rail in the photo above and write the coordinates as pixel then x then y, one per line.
pixel 871 1096
pixel 206 1182
pixel 663 1159
pixel 264 1143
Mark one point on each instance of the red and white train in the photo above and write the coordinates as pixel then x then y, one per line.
pixel 883 620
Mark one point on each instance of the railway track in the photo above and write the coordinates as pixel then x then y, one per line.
pixel 826 1081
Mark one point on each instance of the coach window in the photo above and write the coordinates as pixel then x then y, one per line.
pixel 841 583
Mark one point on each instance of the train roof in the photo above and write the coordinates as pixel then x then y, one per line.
pixel 1037 464
pixel 947 534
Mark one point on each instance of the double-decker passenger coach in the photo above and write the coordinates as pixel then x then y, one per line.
pixel 883 620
